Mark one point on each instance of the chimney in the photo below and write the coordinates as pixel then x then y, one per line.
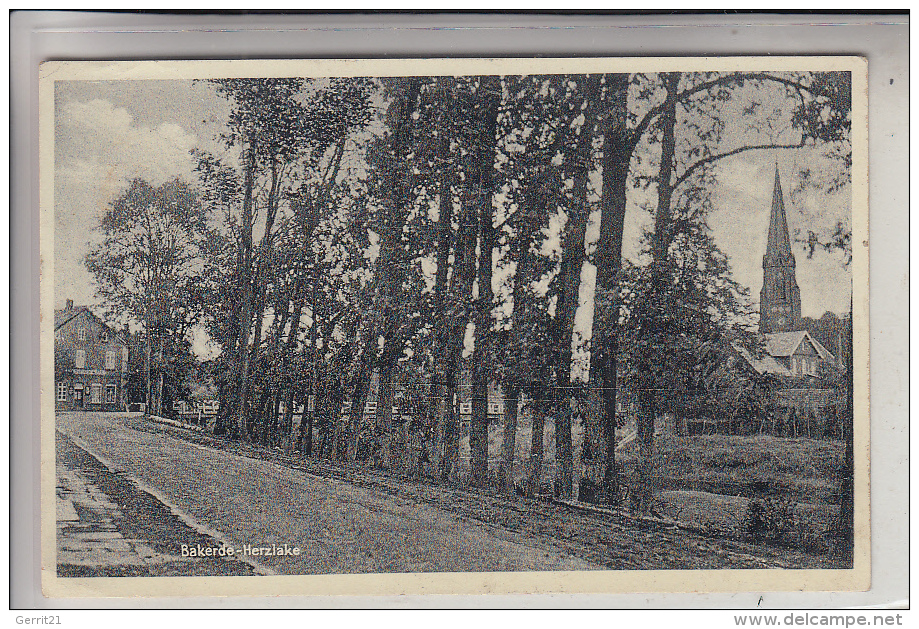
pixel 69 305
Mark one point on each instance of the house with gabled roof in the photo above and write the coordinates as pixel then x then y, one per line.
pixel 794 354
pixel 90 362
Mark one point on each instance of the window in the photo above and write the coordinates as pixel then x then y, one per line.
pixel 110 359
pixel 810 367
pixel 80 359
pixel 81 333
pixel 96 394
pixel 61 391
pixel 111 392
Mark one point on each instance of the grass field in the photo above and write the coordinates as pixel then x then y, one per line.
pixel 805 470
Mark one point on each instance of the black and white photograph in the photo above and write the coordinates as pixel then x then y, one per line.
pixel 506 325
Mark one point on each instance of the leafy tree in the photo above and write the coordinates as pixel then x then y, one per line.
pixel 537 132
pixel 290 135
pixel 635 104
pixel 146 270
pixel 382 333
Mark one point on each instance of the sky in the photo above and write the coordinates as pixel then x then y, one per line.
pixel 109 132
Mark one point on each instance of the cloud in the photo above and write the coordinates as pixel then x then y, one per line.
pixel 97 136
pixel 99 149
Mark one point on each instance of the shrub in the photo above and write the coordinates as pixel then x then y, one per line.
pixel 770 518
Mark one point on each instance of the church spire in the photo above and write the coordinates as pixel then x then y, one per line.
pixel 778 249
pixel 780 298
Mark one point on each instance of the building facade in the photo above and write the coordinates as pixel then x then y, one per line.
pixel 90 362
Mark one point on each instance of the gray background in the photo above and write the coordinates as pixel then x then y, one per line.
pixel 40 36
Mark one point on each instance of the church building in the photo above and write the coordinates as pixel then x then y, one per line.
pixel 803 405
pixel 780 298
pixel 793 351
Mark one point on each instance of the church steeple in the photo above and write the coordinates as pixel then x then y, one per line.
pixel 780 299
pixel 778 249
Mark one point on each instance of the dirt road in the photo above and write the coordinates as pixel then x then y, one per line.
pixel 356 521
pixel 338 527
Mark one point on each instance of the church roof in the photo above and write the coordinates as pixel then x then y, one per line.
pixel 783 344
pixel 764 364
pixel 778 248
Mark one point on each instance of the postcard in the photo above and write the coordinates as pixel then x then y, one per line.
pixel 409 326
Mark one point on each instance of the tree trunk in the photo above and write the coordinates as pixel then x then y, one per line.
pixel 509 445
pixel 356 416
pixel 661 238
pixel 442 322
pixel 450 430
pixel 384 418
pixel 534 472
pixel 311 404
pixel 564 464
pixel 148 355
pixel 647 410
pixel 285 438
pixel 569 279
pixel 484 178
pixel 262 414
pixel 458 316
pixel 159 392
pixel 262 272
pixel 276 372
pixel 289 348
pixel 322 408
pixel 305 430
pixel 274 410
pixel 245 310
pixel 390 264
pixel 618 145
pixel 521 292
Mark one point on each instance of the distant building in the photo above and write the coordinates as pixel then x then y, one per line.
pixel 780 298
pixel 794 373
pixel 793 351
pixel 90 362
pixel 495 407
pixel 792 355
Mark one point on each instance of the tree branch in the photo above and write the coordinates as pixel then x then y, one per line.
pixel 718 156
pixel 701 87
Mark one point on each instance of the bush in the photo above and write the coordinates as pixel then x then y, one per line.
pixel 770 518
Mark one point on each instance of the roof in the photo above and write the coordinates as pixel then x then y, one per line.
pixel 782 345
pixel 778 248
pixel 764 364
pixel 785 344
pixel 63 317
